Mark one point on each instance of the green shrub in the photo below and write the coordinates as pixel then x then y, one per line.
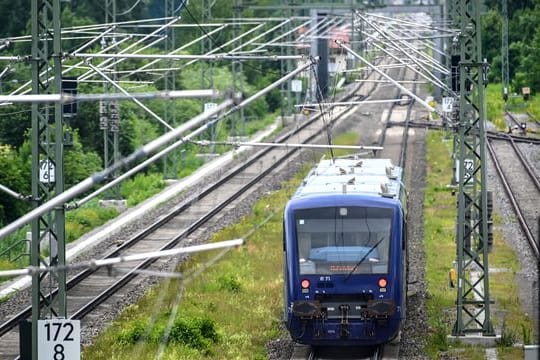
pixel 197 333
pixel 83 220
pixel 194 332
pixel 526 333
pixel 141 187
pixel 440 333
pixel 133 333
pixel 7 265
pixel 508 336
pixel 230 283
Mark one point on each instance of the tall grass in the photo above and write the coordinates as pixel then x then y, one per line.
pixel 495 106
pixel 238 299
pixel 515 103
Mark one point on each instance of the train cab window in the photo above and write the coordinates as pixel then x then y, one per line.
pixel 334 241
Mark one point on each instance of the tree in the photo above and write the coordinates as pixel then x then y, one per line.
pixel 15 121
pixel 79 164
pixel 15 178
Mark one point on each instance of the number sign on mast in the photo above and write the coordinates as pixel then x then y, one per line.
pixel 59 339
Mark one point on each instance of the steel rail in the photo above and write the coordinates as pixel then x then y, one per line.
pixel 490 134
pixel 405 141
pixel 86 184
pixel 389 113
pixel 14 321
pixel 513 118
pixel 517 138
pixel 520 217
pixel 525 163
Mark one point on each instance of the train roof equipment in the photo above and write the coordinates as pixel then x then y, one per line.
pixel 374 177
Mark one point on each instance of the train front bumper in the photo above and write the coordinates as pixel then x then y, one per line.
pixel 329 323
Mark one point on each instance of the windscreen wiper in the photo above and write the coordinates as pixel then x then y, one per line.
pixel 363 258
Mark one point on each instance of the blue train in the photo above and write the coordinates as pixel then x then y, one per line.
pixel 345 254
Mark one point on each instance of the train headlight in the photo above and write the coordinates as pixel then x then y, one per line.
pixel 305 284
pixel 382 283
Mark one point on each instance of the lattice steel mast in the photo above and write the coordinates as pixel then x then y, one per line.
pixel 473 300
pixel 505 74
pixel 238 120
pixel 109 115
pixel 207 71
pixel 47 163
pixel 286 65
pixel 170 163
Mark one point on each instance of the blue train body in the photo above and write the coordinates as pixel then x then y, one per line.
pixel 345 254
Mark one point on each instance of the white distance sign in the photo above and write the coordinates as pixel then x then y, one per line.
pixel 59 339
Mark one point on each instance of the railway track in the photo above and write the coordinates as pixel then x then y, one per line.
pixel 90 289
pixel 521 185
pixel 383 352
pixel 395 147
pixel 490 134
pixel 524 122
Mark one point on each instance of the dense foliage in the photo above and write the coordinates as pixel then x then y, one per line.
pixel 137 126
pixel 523 42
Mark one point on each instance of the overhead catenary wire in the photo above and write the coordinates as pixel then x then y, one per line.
pixel 388 35
pixel 401 87
pixel 68 98
pixel 391 43
pixel 25 88
pixel 185 127
pixel 86 184
pixel 290 75
pixel 14 193
pixel 244 44
pixel 287 145
pixel 93 264
pixel 181 48
pixel 346 103
pixel 189 57
pixel 146 108
pixel 412 24
pixel 135 47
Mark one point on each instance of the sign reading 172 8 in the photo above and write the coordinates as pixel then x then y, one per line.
pixel 59 339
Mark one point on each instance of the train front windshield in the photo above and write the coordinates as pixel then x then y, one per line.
pixel 343 240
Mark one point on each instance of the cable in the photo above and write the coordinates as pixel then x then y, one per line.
pixel 130 9
pixel 16 112
pixel 182 4
pixel 214 41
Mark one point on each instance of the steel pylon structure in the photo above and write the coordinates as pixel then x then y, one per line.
pixel 207 67
pixel 286 65
pixel 505 73
pixel 170 162
pixel 109 115
pixel 237 119
pixel 47 164
pixel 473 300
